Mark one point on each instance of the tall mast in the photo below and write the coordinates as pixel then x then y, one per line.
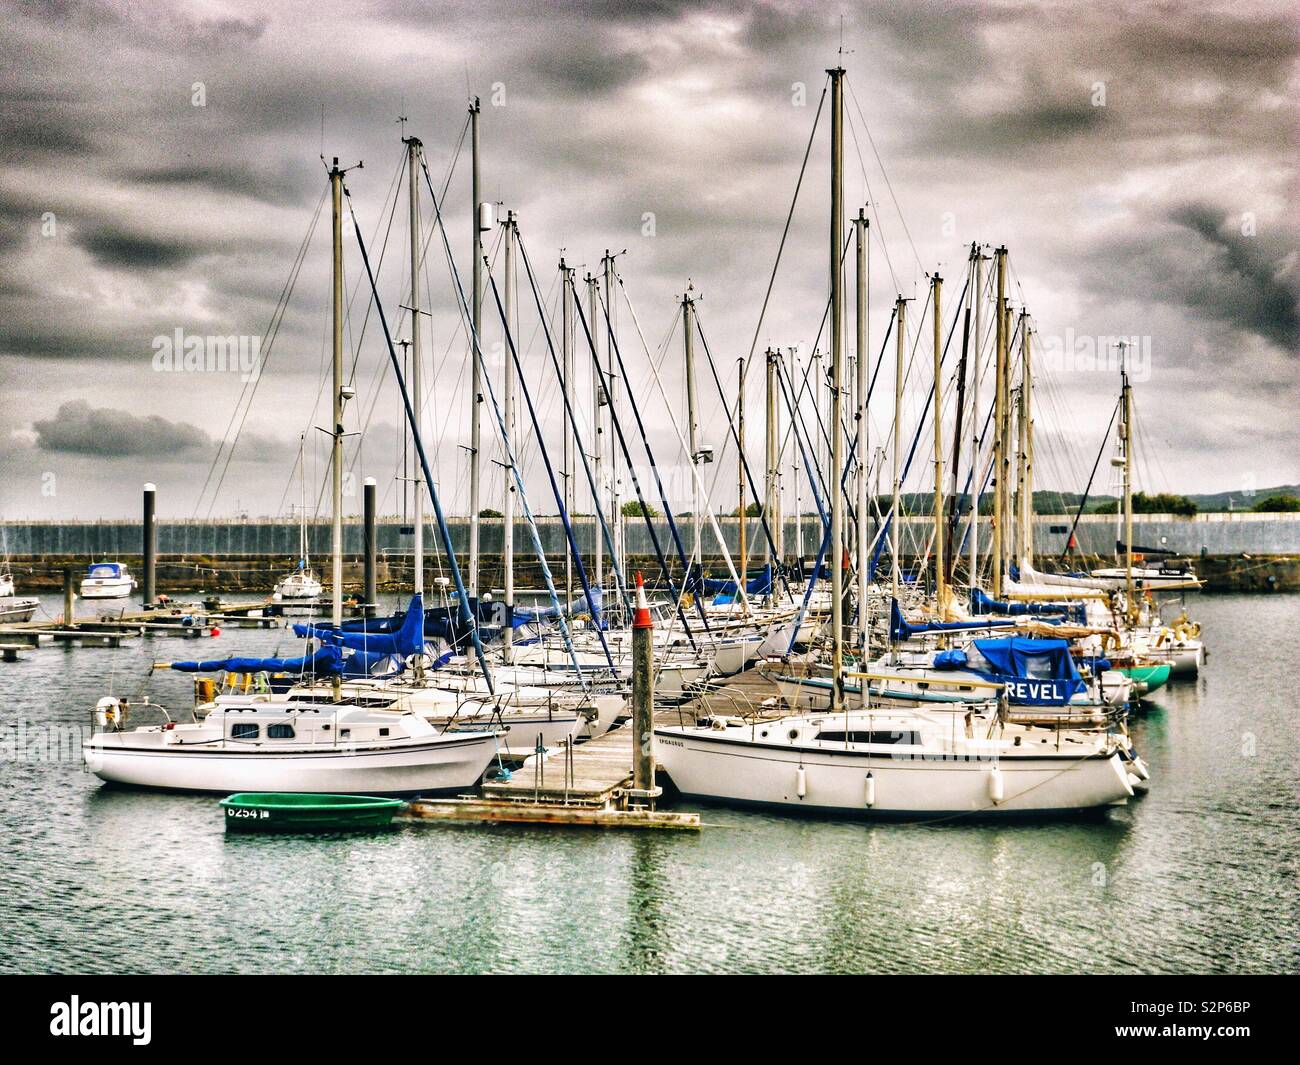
pixel 860 418
pixel 740 461
pixel 611 391
pixel 597 433
pixel 476 310
pixel 566 346
pixel 794 468
pixel 895 538
pixel 508 394
pixel 977 300
pixel 692 419
pixel 417 390
pixel 336 446
pixel 772 504
pixel 1022 450
pixel 1029 443
pixel 1126 435
pixel 837 387
pixel 940 588
pixel 999 415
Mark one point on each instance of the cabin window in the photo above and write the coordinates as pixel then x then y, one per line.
pixel 344 733
pixel 383 732
pixel 244 730
pixel 871 736
pixel 279 732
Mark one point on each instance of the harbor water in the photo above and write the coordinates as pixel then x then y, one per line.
pixel 1199 876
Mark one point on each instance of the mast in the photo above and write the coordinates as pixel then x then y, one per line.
pixel 837 387
pixel 794 470
pixel 772 504
pixel 940 588
pixel 999 415
pixel 302 503
pixel 1022 444
pixel 740 452
pixel 1126 436
pixel 860 418
pixel 598 442
pixel 611 395
pixel 476 311
pixel 566 346
pixel 894 515
pixel 1027 432
pixel 417 390
pixel 976 487
pixel 336 445
pixel 508 394
pixel 692 420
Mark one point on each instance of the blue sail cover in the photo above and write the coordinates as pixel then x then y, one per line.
pixel 328 661
pixel 980 603
pixel 1035 672
pixel 406 641
pixel 578 606
pixel 900 629
pixel 760 585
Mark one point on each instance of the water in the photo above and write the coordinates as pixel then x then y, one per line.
pixel 1200 876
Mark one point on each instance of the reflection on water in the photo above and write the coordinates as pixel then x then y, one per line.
pixel 1198 876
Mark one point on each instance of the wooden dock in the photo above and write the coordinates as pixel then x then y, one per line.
pixel 109 629
pixel 599 773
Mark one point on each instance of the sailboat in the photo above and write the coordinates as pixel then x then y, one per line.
pixel 865 760
pixel 302 583
pixel 339 744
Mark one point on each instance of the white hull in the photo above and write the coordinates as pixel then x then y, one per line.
pixel 298 586
pixel 17 609
pixel 116 588
pixel 712 765
pixel 444 763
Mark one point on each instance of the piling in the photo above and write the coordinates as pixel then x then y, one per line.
pixel 150 550
pixel 643 699
pixel 370 604
pixel 69 596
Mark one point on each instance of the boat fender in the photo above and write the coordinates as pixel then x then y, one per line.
pixel 215 630
pixel 107 712
pixel 801 782
pixel 869 788
pixel 995 784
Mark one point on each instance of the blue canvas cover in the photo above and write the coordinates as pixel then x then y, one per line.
pixel 980 603
pixel 1035 672
pixel 104 569
pixel 328 661
pixel 406 641
pixel 900 629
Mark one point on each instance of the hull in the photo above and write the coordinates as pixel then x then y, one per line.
pixel 834 782
pixel 307 813
pixel 444 764
pixel 107 589
pixel 13 610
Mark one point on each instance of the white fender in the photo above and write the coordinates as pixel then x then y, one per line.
pixel 801 782
pixel 995 784
pixel 869 789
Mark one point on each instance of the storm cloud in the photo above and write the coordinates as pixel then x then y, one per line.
pixel 164 171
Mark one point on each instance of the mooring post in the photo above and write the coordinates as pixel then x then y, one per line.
pixel 643 699
pixel 68 595
pixel 370 606
pixel 150 545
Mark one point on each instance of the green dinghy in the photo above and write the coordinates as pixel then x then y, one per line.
pixel 1148 678
pixel 299 812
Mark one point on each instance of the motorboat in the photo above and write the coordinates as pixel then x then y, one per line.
pixel 107 580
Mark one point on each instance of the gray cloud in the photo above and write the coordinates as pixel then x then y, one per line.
pixel 80 429
pixel 175 216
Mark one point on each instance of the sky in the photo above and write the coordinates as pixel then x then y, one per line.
pixel 164 179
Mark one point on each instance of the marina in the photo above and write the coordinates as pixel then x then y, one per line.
pixel 613 528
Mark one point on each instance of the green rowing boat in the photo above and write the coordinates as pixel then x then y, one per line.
pixel 1148 678
pixel 298 812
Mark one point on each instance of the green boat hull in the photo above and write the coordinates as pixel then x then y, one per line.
pixel 1152 677
pixel 296 812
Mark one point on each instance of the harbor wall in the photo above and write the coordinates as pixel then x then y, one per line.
pixel 1230 551
pixel 1203 534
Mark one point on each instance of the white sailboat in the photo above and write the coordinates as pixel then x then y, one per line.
pixel 302 583
pixel 334 744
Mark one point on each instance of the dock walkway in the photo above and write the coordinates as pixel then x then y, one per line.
pixel 596 772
